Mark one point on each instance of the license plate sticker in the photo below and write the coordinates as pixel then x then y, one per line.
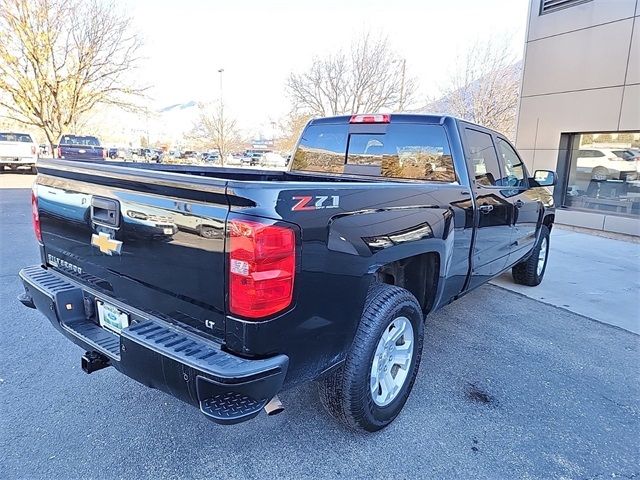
pixel 111 318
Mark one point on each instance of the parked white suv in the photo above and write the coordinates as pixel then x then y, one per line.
pixel 606 163
pixel 18 150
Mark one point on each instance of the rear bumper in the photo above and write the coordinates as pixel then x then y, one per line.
pixel 17 161
pixel 226 388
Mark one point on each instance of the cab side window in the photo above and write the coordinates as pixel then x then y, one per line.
pixel 482 158
pixel 511 165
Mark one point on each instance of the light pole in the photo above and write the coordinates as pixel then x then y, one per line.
pixel 220 71
pixel 403 68
pixel 221 142
pixel 273 134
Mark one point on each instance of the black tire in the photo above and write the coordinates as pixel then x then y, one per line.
pixel 207 232
pixel 345 393
pixel 526 272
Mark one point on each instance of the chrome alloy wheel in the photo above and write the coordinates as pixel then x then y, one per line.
pixel 542 256
pixel 391 362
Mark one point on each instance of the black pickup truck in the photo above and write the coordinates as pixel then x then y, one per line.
pixel 324 272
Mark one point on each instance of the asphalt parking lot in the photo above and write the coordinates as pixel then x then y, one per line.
pixel 508 388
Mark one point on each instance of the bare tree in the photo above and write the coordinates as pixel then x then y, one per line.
pixel 368 78
pixel 59 59
pixel 484 86
pixel 291 127
pixel 214 128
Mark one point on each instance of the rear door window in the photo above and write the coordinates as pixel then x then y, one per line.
pixel 482 157
pixel 402 151
pixel 512 167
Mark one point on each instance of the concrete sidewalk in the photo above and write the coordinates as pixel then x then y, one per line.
pixel 590 275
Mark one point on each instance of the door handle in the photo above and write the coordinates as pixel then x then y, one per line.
pixel 105 211
pixel 485 208
pixel 519 204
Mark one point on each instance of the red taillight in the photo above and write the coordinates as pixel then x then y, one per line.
pixel 59 150
pixel 262 263
pixel 33 149
pixel 35 215
pixel 104 153
pixel 376 118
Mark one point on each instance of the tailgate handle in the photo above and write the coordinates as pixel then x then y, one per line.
pixel 105 211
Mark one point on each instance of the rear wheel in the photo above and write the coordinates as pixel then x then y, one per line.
pixel 369 390
pixel 531 271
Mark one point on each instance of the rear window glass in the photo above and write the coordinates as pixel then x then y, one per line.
pixel 626 154
pixel 404 151
pixel 75 140
pixel 15 137
pixel 322 149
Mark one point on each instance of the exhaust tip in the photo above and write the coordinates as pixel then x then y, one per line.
pixel 274 407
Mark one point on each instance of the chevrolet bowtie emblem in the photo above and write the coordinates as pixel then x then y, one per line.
pixel 105 243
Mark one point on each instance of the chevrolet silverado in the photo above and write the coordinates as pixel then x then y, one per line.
pixel 325 272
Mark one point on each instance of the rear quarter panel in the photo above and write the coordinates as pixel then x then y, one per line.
pixel 343 243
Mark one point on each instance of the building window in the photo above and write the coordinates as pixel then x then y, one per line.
pixel 604 173
pixel 549 6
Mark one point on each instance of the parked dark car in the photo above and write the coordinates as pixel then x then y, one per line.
pixel 149 154
pixel 78 147
pixel 324 272
pixel 213 158
pixel 252 158
pixel 114 153
pixel 189 154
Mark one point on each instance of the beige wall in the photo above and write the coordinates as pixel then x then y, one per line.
pixel 581 74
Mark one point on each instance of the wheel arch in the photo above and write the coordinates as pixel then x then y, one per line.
pixel 419 274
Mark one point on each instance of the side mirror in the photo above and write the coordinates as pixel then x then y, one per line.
pixel 544 178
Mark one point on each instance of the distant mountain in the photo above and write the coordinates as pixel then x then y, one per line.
pixel 179 106
pixel 172 122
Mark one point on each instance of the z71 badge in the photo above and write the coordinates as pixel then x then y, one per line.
pixel 315 203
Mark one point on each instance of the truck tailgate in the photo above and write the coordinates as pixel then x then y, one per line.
pixel 81 152
pixel 154 244
pixel 16 150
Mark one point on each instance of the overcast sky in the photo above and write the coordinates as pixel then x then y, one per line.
pixel 258 43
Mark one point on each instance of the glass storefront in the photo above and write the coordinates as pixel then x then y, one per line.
pixel 604 173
